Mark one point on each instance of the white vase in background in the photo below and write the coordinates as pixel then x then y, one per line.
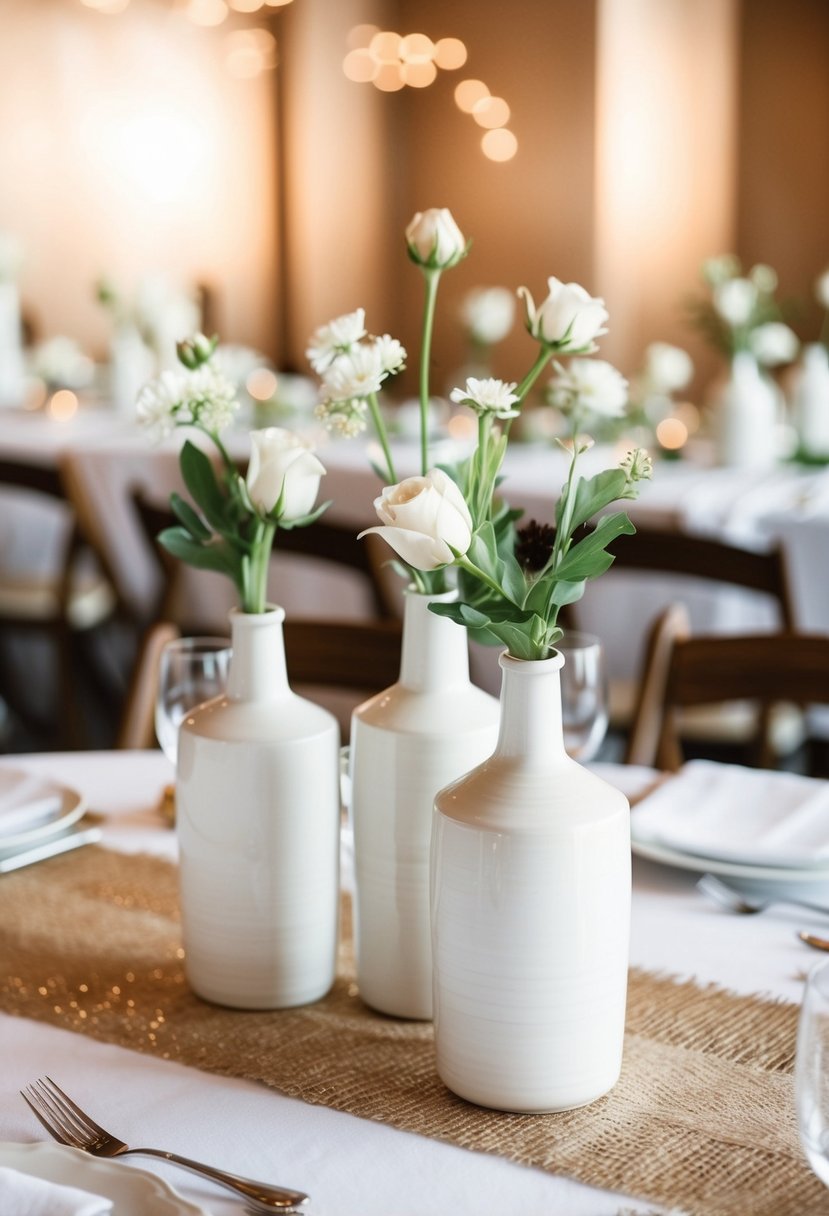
pixel 810 401
pixel 131 365
pixel 747 416
pixel 258 816
pixel 12 366
pixel 406 743
pixel 530 914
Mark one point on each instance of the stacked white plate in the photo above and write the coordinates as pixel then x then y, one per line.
pixel 38 818
pixel 767 831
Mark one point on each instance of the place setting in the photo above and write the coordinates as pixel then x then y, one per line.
pixel 40 819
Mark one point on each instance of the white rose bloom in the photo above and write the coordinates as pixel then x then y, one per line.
pixel 488 397
pixel 592 385
pixel 773 343
pixel 434 239
pixel 667 368
pixel 336 338
pixel 822 290
pixel 158 402
pixel 392 354
pixel 569 318
pixel 422 517
pixel 488 314
pixel 280 458
pixel 734 301
pixel 358 374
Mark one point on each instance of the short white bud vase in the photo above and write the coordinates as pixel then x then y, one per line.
pixel 406 743
pixel 530 914
pixel 258 816
pixel 811 401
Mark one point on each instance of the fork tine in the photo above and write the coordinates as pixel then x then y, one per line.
pixel 86 1126
pixel 33 1101
pixel 61 1113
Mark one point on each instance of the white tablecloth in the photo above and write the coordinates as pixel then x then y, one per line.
pixel 352 1167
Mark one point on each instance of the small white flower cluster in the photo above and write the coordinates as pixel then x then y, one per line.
pixel 745 306
pixel 637 466
pixel 590 385
pixel 353 367
pixel 202 397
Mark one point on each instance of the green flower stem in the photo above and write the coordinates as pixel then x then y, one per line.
pixel 380 429
pixel 432 275
pixel 562 541
pixel 463 563
pixel 535 371
pixel 256 569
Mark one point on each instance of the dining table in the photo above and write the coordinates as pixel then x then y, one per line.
pixel 712 1004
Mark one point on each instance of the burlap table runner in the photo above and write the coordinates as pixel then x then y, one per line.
pixel 702 1118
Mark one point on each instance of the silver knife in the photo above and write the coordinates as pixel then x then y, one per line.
pixel 73 838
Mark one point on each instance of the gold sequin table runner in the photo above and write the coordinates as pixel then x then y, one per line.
pixel 702 1118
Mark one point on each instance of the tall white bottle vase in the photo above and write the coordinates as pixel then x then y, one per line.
pixel 406 743
pixel 810 401
pixel 131 365
pixel 258 816
pixel 530 914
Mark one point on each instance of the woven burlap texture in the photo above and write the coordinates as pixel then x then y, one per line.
pixel 702 1118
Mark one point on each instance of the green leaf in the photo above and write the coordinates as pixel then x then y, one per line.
pixel 217 555
pixel 593 494
pixel 588 558
pixel 200 479
pixel 461 614
pixel 189 518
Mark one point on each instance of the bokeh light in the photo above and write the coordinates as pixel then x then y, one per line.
pixel 359 36
pixel 385 47
pixel 499 145
pixel 418 75
pixel 250 52
pixel 207 12
pixel 389 78
pixel 261 384
pixel 672 434
pixel 246 6
pixel 468 93
pixel 491 112
pixel 107 6
pixel 359 65
pixel 450 54
pixel 417 48
pixel 63 405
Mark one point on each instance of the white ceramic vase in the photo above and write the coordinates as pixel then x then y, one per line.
pixel 530 914
pixel 747 417
pixel 131 365
pixel 258 815
pixel 811 401
pixel 406 743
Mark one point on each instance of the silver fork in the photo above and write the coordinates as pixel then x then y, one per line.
pixel 68 1124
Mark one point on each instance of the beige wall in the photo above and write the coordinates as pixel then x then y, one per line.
pixel 127 148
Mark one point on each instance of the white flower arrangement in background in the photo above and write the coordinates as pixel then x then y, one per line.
pixel 487 315
pixel 740 309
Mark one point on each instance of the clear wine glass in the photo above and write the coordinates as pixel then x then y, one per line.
pixel 583 694
pixel 190 671
pixel 811 1074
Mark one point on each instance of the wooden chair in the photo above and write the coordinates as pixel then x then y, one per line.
pixel 642 745
pixel 334 544
pixel 62 606
pixel 765 669
pixel 679 553
pixel 355 658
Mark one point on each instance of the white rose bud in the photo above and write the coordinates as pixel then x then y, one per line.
pixel 435 240
pixel 569 319
pixel 422 517
pixel 280 458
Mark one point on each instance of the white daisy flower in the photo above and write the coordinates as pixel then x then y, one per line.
pixel 338 337
pixel 488 397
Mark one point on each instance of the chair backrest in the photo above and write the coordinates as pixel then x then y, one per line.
pixel 643 736
pixel 672 552
pixel 137 726
pixel 325 541
pixel 766 669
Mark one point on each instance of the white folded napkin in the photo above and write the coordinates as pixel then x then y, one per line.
pixel 738 814
pixel 26 800
pixel 23 1195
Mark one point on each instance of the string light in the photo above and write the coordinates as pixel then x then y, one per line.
pixel 499 145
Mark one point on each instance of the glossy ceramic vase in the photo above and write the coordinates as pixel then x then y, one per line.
pixel 406 743
pixel 530 914
pixel 258 817
pixel 810 401
pixel 747 416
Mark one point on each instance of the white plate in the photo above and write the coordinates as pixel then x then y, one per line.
pixel 133 1192
pixel 53 807
pixel 810 883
